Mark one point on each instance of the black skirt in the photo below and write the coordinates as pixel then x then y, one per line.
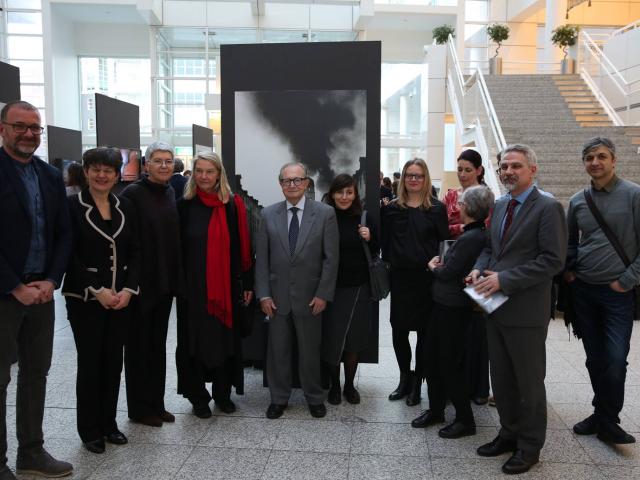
pixel 346 323
pixel 411 299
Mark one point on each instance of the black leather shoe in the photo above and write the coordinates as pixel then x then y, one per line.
pixel 402 389
pixel 496 447
pixel 334 397
pixel 352 395
pixel 457 430
pixel 520 462
pixel 428 418
pixel 415 387
pixel 95 446
pixel 150 421
pixel 610 432
pixel 116 438
pixel 226 406
pixel 201 410
pixel 275 411
pixel 43 464
pixel 588 426
pixel 7 474
pixel 480 400
pixel 317 411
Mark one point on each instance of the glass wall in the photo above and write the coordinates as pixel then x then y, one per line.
pixel 21 45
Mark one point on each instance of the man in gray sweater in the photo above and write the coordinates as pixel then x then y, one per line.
pixel 602 284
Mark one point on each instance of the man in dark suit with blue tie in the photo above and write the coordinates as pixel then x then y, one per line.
pixel 527 247
pixel 34 248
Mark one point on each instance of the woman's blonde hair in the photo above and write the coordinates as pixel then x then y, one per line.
pixel 425 193
pixel 222 187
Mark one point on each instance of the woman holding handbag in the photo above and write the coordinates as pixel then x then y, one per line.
pixel 346 324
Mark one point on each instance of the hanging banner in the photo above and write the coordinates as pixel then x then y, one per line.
pixel 574 3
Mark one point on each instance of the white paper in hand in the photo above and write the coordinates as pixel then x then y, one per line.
pixel 489 304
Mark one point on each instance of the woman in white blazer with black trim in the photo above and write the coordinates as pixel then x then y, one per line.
pixel 101 278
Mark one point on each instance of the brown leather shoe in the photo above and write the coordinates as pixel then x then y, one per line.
pixel 167 417
pixel 151 421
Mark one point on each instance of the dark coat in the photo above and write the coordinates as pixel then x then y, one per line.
pixel 177 182
pixel 103 256
pixel 15 223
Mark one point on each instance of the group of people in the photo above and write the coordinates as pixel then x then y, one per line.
pixel 126 257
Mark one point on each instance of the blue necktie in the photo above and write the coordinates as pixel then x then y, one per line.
pixel 294 228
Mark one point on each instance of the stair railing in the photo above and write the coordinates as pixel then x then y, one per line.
pixel 626 28
pixel 476 119
pixel 612 90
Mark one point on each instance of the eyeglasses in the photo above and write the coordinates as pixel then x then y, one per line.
pixel 414 176
pixel 160 163
pixel 22 128
pixel 287 182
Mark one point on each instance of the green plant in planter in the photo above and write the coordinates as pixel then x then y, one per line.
pixel 565 36
pixel 441 34
pixel 498 33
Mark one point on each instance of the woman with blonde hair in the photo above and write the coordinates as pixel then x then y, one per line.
pixel 413 225
pixel 217 264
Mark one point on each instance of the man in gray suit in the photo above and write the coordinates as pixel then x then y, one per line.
pixel 296 270
pixel 527 248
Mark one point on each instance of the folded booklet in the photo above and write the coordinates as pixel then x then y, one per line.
pixel 489 304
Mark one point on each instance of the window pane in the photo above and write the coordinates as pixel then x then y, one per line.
pixel 476 10
pixel 186 115
pixel 25 4
pixel 25 47
pixel 31 71
pixel 33 94
pixel 21 22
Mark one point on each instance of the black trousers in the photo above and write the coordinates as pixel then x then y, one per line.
pixel 402 349
pixel 145 360
pixel 99 335
pixel 446 376
pixel 193 378
pixel 26 336
pixel 477 356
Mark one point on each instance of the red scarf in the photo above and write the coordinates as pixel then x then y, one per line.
pixel 218 273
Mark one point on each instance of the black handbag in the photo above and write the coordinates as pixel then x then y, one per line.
pixel 615 244
pixel 379 270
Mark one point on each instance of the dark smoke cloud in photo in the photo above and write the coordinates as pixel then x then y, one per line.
pixel 324 129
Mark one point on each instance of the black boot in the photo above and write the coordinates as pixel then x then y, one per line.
pixel 403 387
pixel 415 386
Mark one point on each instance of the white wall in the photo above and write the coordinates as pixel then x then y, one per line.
pixel 111 40
pixel 401 46
pixel 64 63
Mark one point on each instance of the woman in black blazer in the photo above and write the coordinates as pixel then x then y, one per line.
pixel 452 316
pixel 101 278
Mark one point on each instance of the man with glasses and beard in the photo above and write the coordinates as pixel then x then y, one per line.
pixel 296 271
pixel 528 239
pixel 34 248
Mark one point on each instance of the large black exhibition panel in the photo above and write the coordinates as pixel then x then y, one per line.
pixel 64 146
pixel 118 125
pixel 316 103
pixel 202 139
pixel 9 83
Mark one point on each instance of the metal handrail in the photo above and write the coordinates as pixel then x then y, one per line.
pixel 626 28
pixel 597 51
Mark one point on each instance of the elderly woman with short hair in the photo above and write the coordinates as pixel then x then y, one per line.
pixel 101 278
pixel 215 236
pixel 453 309
pixel 160 281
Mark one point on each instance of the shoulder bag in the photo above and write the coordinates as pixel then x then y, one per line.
pixel 615 244
pixel 379 270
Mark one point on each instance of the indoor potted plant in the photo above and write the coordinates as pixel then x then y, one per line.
pixel 566 36
pixel 498 33
pixel 441 34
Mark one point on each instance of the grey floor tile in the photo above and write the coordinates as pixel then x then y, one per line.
pixel 142 462
pixel 460 448
pixel 186 430
pixel 477 468
pixel 223 464
pixel 306 466
pixel 314 436
pixel 376 410
pixel 619 472
pixel 230 432
pixel 569 393
pixel 382 467
pixel 604 454
pixel 561 446
pixel 388 439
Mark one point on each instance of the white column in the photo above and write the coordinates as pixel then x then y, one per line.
pixel 437 60
pixel 555 14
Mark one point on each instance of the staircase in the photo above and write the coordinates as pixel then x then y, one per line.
pixel 533 109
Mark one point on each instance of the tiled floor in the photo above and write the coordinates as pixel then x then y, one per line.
pixel 372 440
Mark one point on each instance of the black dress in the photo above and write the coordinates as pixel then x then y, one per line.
pixel 207 350
pixel 346 323
pixel 410 238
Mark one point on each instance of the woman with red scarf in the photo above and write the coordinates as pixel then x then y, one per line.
pixel 217 264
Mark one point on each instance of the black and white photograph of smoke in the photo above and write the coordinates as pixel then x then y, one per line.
pixel 324 129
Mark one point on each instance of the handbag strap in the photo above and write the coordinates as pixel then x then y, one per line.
pixel 367 253
pixel 605 228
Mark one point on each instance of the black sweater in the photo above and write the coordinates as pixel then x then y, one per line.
pixel 353 269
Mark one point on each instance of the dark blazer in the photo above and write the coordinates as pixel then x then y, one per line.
pixel 178 182
pixel 448 287
pixel 533 252
pixel 15 223
pixel 103 256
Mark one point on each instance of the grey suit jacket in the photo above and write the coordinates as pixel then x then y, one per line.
pixel 293 281
pixel 532 254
